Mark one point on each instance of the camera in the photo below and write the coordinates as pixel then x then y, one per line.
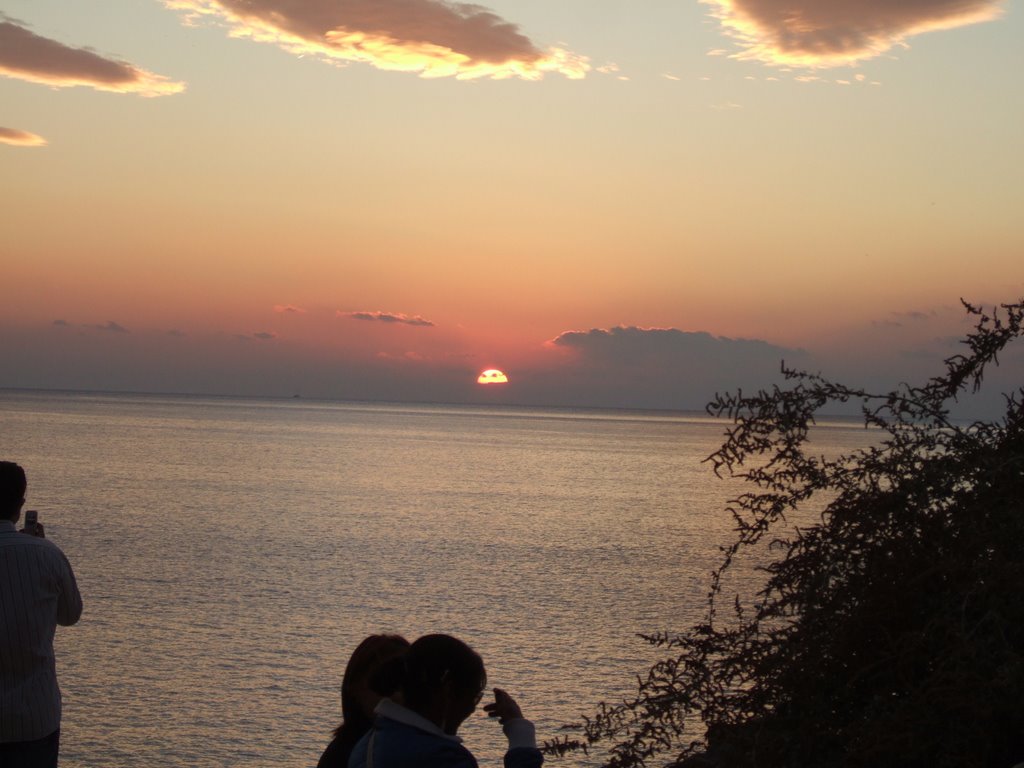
pixel 31 520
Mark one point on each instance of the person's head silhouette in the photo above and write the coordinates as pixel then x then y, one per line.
pixel 440 678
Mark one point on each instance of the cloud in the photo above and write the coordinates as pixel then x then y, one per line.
pixel 259 335
pixel 61 323
pixel 110 326
pixel 415 357
pixel 633 344
pixel 289 309
pixel 916 315
pixel 900 319
pixel 829 33
pixel 434 38
pixel 625 367
pixel 387 317
pixel 631 367
pixel 17 138
pixel 27 56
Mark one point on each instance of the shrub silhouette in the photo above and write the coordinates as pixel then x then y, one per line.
pixel 890 632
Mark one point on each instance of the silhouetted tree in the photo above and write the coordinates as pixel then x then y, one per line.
pixel 890 632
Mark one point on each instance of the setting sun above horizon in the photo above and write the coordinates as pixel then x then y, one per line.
pixel 492 376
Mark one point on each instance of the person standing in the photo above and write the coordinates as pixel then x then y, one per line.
pixel 37 592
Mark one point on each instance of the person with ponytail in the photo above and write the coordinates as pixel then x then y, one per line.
pixel 357 698
pixel 439 682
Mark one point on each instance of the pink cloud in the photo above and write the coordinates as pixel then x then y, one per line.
pixel 289 309
pixel 434 38
pixel 17 138
pixel 828 33
pixel 27 56
pixel 387 317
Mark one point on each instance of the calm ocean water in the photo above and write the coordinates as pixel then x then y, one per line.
pixel 231 553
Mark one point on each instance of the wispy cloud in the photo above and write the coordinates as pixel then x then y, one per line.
pixel 900 319
pixel 289 309
pixel 829 33
pixel 414 357
pixel 887 323
pixel 17 138
pixel 110 327
pixel 27 56
pixel 387 317
pixel 259 336
pixel 433 38
pixel 916 314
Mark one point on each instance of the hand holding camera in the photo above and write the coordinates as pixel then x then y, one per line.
pixel 32 525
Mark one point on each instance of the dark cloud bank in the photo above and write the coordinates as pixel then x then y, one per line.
pixel 631 367
pixel 624 367
pixel 617 368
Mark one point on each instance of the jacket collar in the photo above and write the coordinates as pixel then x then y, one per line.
pixel 392 711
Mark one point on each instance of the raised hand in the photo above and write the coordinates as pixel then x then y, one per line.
pixel 503 707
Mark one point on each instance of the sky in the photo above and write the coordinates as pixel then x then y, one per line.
pixel 618 204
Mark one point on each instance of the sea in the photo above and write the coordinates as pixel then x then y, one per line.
pixel 232 552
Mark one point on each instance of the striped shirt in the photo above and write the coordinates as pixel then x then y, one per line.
pixel 37 592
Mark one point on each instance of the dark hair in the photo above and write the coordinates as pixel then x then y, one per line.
pixel 431 661
pixel 364 661
pixel 12 488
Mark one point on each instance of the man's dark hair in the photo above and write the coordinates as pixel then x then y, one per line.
pixel 12 489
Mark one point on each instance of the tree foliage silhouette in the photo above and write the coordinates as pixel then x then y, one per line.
pixel 890 631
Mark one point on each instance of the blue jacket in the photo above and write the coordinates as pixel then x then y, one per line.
pixel 403 739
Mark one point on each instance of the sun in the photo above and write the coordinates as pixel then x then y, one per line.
pixel 492 376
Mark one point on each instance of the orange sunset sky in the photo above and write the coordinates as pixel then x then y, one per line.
pixel 626 204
